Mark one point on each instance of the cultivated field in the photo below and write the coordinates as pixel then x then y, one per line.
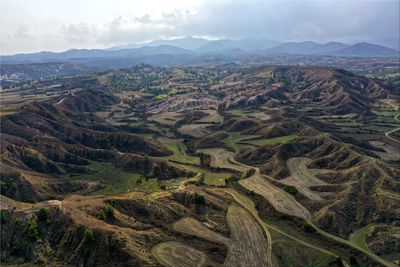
pixel 191 226
pixel 213 117
pixel 177 254
pixel 248 245
pixel 281 200
pixel 302 178
pixel 166 118
pixel 222 158
pixel 195 130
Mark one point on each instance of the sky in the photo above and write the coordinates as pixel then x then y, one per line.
pixel 57 25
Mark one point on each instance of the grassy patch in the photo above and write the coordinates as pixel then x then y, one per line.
pixel 210 178
pixel 116 180
pixel 233 140
pixel 179 149
pixel 358 237
pixel 281 139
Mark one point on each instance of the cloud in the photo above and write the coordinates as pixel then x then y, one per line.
pixel 22 32
pixel 94 24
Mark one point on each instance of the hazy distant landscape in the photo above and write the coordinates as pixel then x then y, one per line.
pixel 229 149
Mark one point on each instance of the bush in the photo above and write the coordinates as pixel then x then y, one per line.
pixel 199 198
pixel 163 187
pixel 139 181
pixel 43 214
pixel 109 211
pixel 290 189
pixel 308 228
pixel 88 236
pixel 102 215
pixel 3 216
pixel 17 221
pixel 33 231
pixel 3 188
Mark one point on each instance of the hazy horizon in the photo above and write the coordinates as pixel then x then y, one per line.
pixel 56 26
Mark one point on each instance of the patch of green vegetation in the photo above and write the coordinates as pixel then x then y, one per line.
pixel 233 140
pixel 33 231
pixel 160 97
pixel 210 178
pixel 281 139
pixel 88 236
pixel 101 215
pixel 179 150
pixel 308 228
pixel 3 216
pixel 42 214
pixel 290 189
pixel 358 237
pixel 109 211
pixel 116 181
pixel 199 198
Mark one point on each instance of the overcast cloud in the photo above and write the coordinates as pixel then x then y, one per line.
pixel 57 25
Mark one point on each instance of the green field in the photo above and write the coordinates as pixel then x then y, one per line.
pixel 116 180
pixel 261 142
pixel 233 140
pixel 358 237
pixel 179 150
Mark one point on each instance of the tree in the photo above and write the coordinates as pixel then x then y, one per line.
pixel 102 215
pixel 43 214
pixel 33 231
pixel 88 236
pixel 109 211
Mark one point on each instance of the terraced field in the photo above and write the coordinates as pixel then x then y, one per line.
pixel 248 244
pixel 177 254
pixel 281 200
pixel 191 226
pixel 222 158
pixel 166 118
pixel 195 130
pixel 391 152
pixel 212 117
pixel 302 178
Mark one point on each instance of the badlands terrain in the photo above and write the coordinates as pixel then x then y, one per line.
pixel 201 166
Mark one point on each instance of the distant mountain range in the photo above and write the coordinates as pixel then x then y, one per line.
pixel 198 47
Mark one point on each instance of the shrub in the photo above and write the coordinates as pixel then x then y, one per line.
pixel 3 188
pixel 308 228
pixel 17 221
pixel 163 187
pixel 3 216
pixel 139 181
pixel 109 211
pixel 33 231
pixel 88 236
pixel 290 189
pixel 102 215
pixel 199 198
pixel 43 214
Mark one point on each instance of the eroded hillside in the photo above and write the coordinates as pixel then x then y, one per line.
pixel 261 166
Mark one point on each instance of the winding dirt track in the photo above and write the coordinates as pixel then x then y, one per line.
pixel 176 254
pixel 387 134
